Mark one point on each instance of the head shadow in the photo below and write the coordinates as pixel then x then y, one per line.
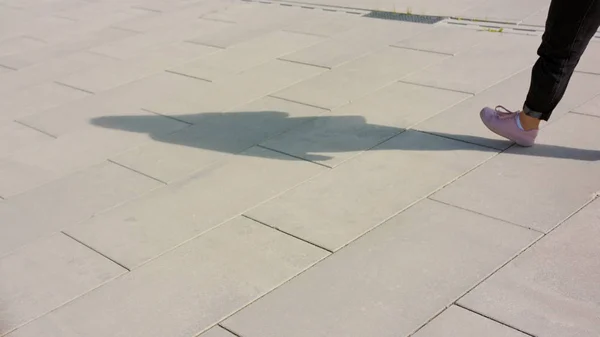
pixel 315 138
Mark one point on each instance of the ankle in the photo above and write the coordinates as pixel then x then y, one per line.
pixel 529 123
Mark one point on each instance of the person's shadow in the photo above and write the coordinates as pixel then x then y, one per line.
pixel 310 138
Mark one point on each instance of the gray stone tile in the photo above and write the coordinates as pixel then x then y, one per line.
pixel 37 165
pixel 47 273
pixel 499 57
pixel 124 100
pixel 192 206
pixel 122 72
pixel 13 82
pixel 36 99
pixel 456 321
pixel 396 278
pixel 356 43
pixel 358 78
pixel 246 55
pixel 591 107
pixel 551 289
pixel 326 23
pixel 217 332
pixel 589 60
pixel 67 201
pixel 445 39
pixel 198 284
pixel 19 44
pixel 336 136
pixel 173 156
pixel 462 121
pixel 237 90
pixel 14 137
pixel 139 45
pixel 510 10
pixel 366 191
pixel 505 187
pixel 537 19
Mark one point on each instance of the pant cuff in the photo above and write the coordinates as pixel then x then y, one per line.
pixel 535 114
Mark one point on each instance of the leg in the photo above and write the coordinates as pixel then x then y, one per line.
pixel 569 28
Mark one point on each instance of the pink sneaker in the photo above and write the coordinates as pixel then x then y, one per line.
pixel 503 122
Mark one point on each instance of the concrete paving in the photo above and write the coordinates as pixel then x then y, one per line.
pixel 230 168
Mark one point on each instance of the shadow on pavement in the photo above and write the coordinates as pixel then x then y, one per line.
pixel 230 132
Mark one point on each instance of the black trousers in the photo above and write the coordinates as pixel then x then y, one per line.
pixel 570 26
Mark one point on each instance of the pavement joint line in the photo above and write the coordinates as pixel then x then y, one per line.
pixel 302 33
pixel 287 233
pixel 205 44
pixel 485 215
pixel 298 102
pixel 94 250
pixel 36 129
pixel 583 114
pixel 136 171
pixel 293 156
pixel 328 8
pixel 217 20
pixel 494 320
pixel 587 72
pixel 433 133
pixel 73 87
pixel 7 67
pixel 126 30
pixel 304 63
pixel 439 88
pixel 167 116
pixel 421 50
pixel 147 9
pixel 186 75
pixel 228 330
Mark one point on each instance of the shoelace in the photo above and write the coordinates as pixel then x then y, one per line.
pixel 504 113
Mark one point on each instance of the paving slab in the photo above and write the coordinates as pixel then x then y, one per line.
pixel 243 88
pixel 68 201
pixel 117 73
pixel 19 44
pixel 589 60
pixel 174 156
pixel 246 55
pixel 510 10
pixel 505 186
pixel 37 165
pixel 160 221
pixel 396 278
pixel 202 281
pixel 15 136
pixel 445 39
pixel 456 321
pixel 482 66
pixel 217 332
pixel 337 136
pixel 358 78
pixel 414 163
pixel 369 35
pixel 462 121
pixel 326 23
pixel 125 100
pixel 46 274
pixel 592 107
pixel 551 289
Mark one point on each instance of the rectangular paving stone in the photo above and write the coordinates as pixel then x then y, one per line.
pixel 47 273
pixel 445 39
pixel 36 99
pixel 551 289
pixel 589 60
pixel 217 332
pixel 246 55
pixel 237 90
pixel 325 23
pixel 456 321
pixel 366 191
pixel 122 102
pixel 13 82
pixel 216 135
pixel 67 201
pixel 19 44
pixel 591 107
pixel 396 278
pixel 15 136
pixel 140 44
pixel 156 223
pixel 336 136
pixel 499 57
pixel 508 185
pixel 358 78
pixel 197 284
pixel 510 10
pixel 353 44
pixel 462 121
pixel 118 73
pixel 46 162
